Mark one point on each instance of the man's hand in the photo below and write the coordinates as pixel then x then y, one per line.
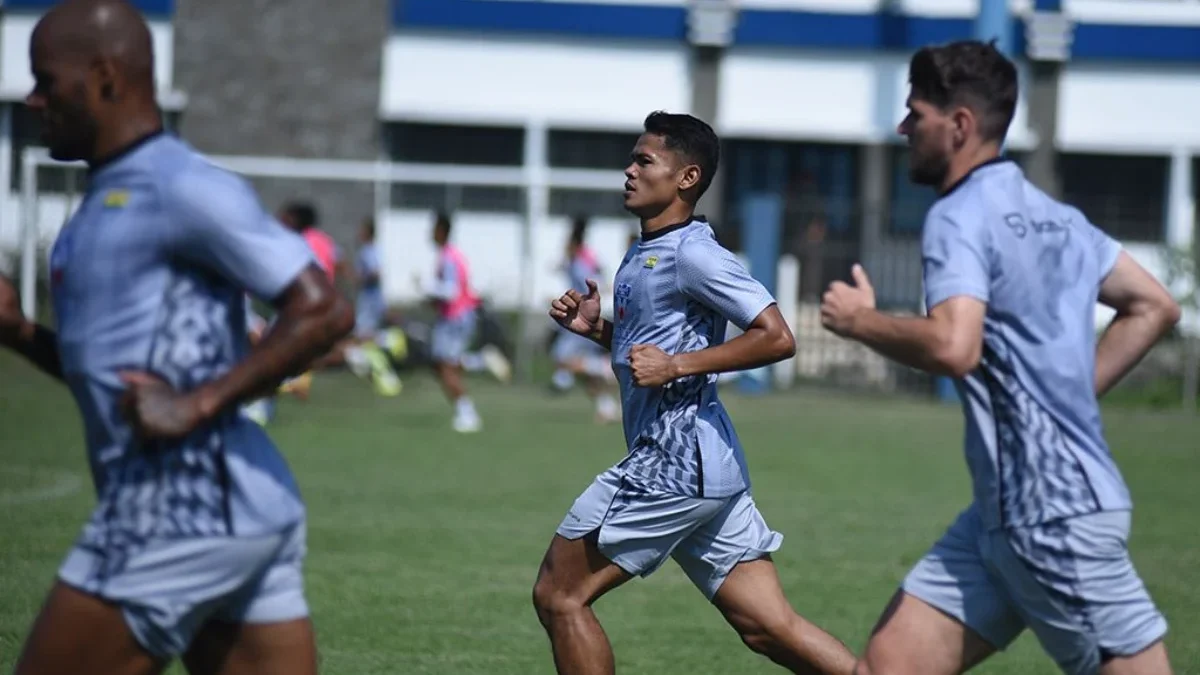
pixel 11 318
pixel 577 313
pixel 651 366
pixel 843 303
pixel 155 410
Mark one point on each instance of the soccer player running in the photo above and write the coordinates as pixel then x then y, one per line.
pixel 456 303
pixel 575 355
pixel 302 218
pixel 362 353
pixel 196 545
pixel 1011 281
pixel 683 490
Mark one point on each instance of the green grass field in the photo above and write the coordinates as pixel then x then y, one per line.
pixel 423 545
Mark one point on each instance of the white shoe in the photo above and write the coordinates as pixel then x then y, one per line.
pixel 496 363
pixel 259 411
pixel 468 424
pixel 356 360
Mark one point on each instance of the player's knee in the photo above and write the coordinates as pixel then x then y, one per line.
pixel 767 636
pixel 551 601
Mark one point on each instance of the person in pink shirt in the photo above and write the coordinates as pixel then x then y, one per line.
pixel 456 303
pixel 301 217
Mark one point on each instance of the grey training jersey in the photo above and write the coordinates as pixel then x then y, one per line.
pixel 677 288
pixel 150 274
pixel 1034 441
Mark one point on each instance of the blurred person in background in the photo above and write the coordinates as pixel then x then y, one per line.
pixel 449 290
pixel 363 354
pixel 302 218
pixel 574 355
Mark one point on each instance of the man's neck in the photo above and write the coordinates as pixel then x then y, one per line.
pixel 964 164
pixel 679 212
pixel 125 135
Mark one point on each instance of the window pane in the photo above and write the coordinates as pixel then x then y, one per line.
pixel 458 198
pixel 590 149
pixel 591 203
pixel 1123 195
pixel 451 144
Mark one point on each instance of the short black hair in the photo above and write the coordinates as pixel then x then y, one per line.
pixel 442 221
pixel 692 138
pixel 578 229
pixel 968 73
pixel 368 225
pixel 304 213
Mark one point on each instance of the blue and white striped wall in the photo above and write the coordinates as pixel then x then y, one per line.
pixel 820 70
pixel 1125 30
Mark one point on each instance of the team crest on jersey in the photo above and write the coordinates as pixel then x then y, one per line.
pixel 116 199
pixel 621 295
pixel 651 262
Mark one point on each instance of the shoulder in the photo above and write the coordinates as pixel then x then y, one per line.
pixel 964 212
pixel 698 247
pixel 192 184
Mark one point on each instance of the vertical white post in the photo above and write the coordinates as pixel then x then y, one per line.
pixel 29 233
pixel 787 293
pixel 1181 232
pixel 537 211
pixel 1181 200
pixel 6 146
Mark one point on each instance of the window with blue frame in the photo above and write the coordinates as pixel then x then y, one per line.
pixel 819 185
pixel 600 150
pixel 426 143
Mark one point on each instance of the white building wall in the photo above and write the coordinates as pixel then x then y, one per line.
pixel 505 80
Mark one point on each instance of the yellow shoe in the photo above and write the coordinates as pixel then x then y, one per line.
pixel 386 382
pixel 298 386
pixel 396 343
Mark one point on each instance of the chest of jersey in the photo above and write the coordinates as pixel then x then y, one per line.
pixel 645 300
pixel 107 267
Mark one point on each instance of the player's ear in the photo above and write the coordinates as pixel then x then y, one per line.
pixel 105 74
pixel 689 177
pixel 963 125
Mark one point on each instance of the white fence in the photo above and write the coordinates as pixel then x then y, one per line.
pixel 514 253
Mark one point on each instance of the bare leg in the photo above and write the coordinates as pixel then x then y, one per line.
pixel 752 601
pixel 913 638
pixel 1152 661
pixel 450 375
pixel 574 574
pixel 79 633
pixel 285 648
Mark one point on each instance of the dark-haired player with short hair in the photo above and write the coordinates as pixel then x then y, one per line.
pixel 1012 278
pixel 683 491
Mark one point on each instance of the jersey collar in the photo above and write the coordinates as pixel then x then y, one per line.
pixel 991 162
pixel 105 162
pixel 672 228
